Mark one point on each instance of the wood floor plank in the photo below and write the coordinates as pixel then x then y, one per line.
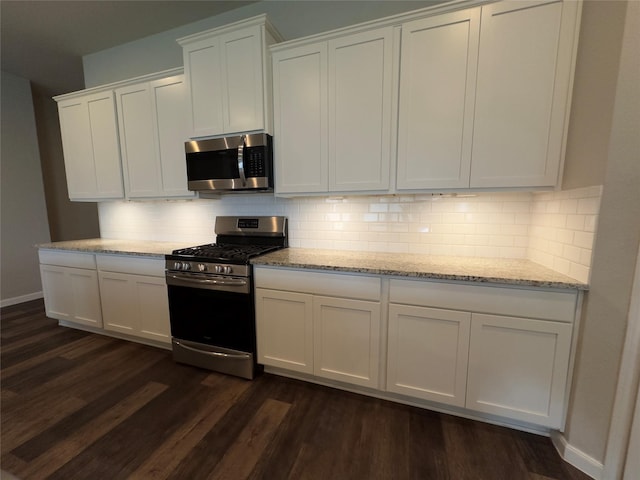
pixel 20 426
pixel 169 455
pixel 8 371
pixel 243 455
pixel 65 450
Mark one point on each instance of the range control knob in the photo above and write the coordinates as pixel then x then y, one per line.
pixel 202 267
pixel 186 266
pixel 218 268
pixel 227 270
pixel 177 265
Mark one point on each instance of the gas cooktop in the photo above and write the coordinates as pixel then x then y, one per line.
pixel 224 252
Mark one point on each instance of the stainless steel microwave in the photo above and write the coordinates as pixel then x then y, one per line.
pixel 241 163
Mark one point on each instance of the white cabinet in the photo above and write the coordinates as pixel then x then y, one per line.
pixel 346 337
pixel 497 350
pixel 503 128
pixel 525 71
pixel 70 287
pixel 134 296
pixel 152 120
pixel 334 113
pixel 284 329
pixel 427 353
pixel 518 368
pixel 227 77
pixel 437 94
pixel 323 324
pixel 300 119
pixel 89 130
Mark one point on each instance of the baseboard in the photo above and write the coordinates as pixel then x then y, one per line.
pixel 576 457
pixel 21 299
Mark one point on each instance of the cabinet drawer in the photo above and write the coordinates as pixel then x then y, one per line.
pixel 130 264
pixel 67 259
pixel 330 284
pixel 542 304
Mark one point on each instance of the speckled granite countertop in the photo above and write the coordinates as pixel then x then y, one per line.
pixel 482 270
pixel 121 247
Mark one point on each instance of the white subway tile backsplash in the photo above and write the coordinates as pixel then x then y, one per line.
pixel 555 229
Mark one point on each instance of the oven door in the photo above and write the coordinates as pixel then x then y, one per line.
pixel 213 329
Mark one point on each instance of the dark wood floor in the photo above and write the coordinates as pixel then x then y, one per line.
pixel 82 406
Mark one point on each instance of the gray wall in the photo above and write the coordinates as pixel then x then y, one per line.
pixel 23 210
pixel 292 19
pixel 604 322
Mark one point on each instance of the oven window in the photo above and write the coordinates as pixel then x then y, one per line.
pixel 222 319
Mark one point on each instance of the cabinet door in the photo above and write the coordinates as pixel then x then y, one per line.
pixel 89 133
pixel 524 77
pixel 58 300
pixel 203 76
pixel 153 304
pixel 136 305
pixel 119 306
pixel 170 115
pixel 360 81
pixel 71 294
pixel 437 91
pixel 346 340
pixel 518 368
pixel 284 329
pixel 300 113
pixel 138 141
pixel 428 352
pixel 243 95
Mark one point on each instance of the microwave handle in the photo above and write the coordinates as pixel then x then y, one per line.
pixel 241 161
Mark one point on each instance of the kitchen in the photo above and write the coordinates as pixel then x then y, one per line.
pixel 317 222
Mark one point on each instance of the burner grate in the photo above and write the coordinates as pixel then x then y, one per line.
pixel 227 252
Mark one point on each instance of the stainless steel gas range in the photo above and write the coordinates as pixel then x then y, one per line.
pixel 211 297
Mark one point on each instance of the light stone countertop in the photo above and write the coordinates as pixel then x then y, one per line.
pixel 469 269
pixel 120 247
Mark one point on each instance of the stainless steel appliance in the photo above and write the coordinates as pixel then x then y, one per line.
pixel 211 297
pixel 243 163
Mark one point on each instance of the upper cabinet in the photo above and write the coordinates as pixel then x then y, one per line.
pixel 473 98
pixel 89 131
pixel 523 92
pixel 334 111
pixel 126 140
pixel 152 118
pixel 507 126
pixel 227 73
pixel 437 94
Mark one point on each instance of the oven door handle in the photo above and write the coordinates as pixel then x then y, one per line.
pixel 205 281
pixel 242 356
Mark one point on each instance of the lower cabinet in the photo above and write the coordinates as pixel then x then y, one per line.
pixel 284 329
pixel 134 296
pixel 305 324
pixel 494 350
pixel 518 368
pixel 346 340
pixel 70 287
pixel 117 293
pixel 428 352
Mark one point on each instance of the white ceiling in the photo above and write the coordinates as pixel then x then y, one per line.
pixel 44 40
